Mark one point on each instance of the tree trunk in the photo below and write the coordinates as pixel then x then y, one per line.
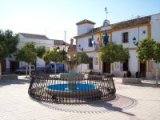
pixel 157 73
pixel 26 70
pixel 0 69
pixel 29 69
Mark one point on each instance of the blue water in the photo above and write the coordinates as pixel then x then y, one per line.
pixel 71 73
pixel 64 87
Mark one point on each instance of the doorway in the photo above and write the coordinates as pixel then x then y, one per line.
pixel 90 63
pixel 13 66
pixel 106 67
pixel 143 69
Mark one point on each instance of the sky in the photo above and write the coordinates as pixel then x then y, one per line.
pixel 53 17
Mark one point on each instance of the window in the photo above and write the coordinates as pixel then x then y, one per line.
pixel 90 42
pixel 125 37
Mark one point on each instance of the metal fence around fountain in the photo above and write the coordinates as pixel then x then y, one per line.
pixel 68 91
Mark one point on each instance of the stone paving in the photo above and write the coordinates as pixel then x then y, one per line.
pixel 133 102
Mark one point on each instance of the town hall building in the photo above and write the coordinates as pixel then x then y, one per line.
pixel 127 33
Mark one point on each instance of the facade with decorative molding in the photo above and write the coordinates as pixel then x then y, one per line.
pixel 128 33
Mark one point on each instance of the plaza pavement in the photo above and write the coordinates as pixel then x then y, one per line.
pixel 133 102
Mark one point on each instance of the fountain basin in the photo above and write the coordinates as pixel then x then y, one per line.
pixel 65 87
pixel 82 90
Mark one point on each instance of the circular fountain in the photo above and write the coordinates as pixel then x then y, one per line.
pixel 71 87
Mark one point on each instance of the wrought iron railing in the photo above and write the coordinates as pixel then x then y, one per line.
pixel 60 90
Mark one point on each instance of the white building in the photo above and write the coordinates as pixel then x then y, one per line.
pixel 128 33
pixel 38 40
pixel 11 64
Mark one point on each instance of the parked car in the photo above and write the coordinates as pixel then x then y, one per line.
pixel 22 70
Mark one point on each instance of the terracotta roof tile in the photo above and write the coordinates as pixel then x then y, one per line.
pixel 84 22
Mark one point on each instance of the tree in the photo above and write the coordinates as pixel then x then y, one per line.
pixel 40 51
pixel 27 54
pixel 114 53
pixel 46 57
pixel 82 57
pixel 148 49
pixel 156 57
pixel 8 45
pixel 156 53
pixel 61 56
pixel 55 56
pixel 145 50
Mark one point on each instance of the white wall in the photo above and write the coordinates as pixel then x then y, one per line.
pixel 132 32
pixel 82 68
pixel 95 57
pixel 85 67
pixel 83 42
pixel 155 27
pixel 138 32
pixel 49 45
pixel 133 62
pixel 84 28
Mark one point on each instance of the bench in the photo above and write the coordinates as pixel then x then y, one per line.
pixel 131 80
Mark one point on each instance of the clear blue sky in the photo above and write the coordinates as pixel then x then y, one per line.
pixel 53 17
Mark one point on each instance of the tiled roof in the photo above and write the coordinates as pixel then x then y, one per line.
pixel 84 22
pixel 34 36
pixel 120 25
pixel 132 22
pixel 59 42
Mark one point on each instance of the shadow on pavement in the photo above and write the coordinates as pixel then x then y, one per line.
pixel 17 81
pixel 110 107
pixel 144 84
